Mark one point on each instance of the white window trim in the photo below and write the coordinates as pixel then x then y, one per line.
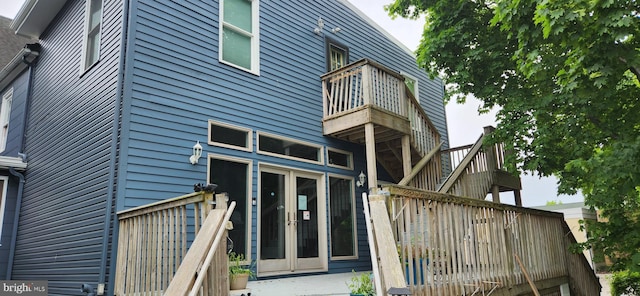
pixel 353 213
pixel 5 117
pixel 416 86
pixel 250 205
pixel 320 148
pixel 349 155
pixel 3 202
pixel 249 132
pixel 84 67
pixel 255 37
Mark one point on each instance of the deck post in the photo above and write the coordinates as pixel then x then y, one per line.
pixel 495 193
pixel 406 155
pixel 370 144
pixel 517 197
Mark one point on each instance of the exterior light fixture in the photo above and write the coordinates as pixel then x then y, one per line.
pixel 362 178
pixel 197 152
pixel 318 29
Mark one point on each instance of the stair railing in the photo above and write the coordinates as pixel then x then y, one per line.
pixel 153 242
pixel 196 274
pixel 583 278
pixel 473 168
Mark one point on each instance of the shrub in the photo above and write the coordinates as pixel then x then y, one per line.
pixel 625 282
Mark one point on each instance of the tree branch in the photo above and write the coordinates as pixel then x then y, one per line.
pixel 634 69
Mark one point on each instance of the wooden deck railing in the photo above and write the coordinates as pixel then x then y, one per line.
pixel 154 240
pixel 451 245
pixel 363 83
pixel 473 168
pixel 368 84
pixel 583 280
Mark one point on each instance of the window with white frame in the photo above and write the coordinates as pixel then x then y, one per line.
pixel 342 215
pixel 3 200
pixel 340 158
pixel 239 34
pixel 229 136
pixel 412 84
pixel 5 115
pixel 289 148
pixel 93 22
pixel 232 175
pixel 337 54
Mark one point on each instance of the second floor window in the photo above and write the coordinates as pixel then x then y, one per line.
pixel 239 30
pixel 337 55
pixel 5 113
pixel 93 21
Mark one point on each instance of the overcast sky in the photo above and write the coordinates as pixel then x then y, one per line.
pixel 464 123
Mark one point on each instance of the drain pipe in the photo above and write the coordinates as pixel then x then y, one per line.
pixel 16 216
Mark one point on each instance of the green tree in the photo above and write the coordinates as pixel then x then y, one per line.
pixel 565 75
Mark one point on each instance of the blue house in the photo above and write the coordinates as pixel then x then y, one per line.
pixel 117 95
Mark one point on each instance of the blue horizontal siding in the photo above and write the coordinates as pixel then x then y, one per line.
pixel 69 136
pixel 174 84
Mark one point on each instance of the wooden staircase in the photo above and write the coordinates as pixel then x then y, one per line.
pixel 369 104
pixel 478 170
pixel 450 241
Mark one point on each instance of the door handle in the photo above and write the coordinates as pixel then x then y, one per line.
pixel 289 221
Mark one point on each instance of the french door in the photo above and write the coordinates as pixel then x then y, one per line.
pixel 292 222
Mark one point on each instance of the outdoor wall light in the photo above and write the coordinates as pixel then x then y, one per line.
pixel 197 152
pixel 318 29
pixel 362 178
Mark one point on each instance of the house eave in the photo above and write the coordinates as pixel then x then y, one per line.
pixel 378 27
pixel 16 163
pixel 34 17
pixel 12 69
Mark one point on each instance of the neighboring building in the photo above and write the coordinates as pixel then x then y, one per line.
pixel 123 89
pixel 573 214
pixel 15 72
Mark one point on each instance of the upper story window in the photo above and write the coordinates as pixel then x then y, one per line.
pixel 93 21
pixel 229 136
pixel 239 34
pixel 337 55
pixel 5 114
pixel 412 84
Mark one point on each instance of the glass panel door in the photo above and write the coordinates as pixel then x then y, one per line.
pixel 273 236
pixel 292 230
pixel 307 243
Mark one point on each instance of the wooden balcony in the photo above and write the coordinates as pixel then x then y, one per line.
pixel 365 92
pixel 367 103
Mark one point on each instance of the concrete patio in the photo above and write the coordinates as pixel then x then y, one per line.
pixel 312 285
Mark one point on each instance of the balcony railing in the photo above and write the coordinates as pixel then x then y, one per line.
pixel 363 83
pixel 367 84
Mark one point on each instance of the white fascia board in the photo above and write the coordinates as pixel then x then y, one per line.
pixel 12 69
pixel 35 16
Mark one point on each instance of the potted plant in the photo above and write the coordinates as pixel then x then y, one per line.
pixel 361 284
pixel 239 274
